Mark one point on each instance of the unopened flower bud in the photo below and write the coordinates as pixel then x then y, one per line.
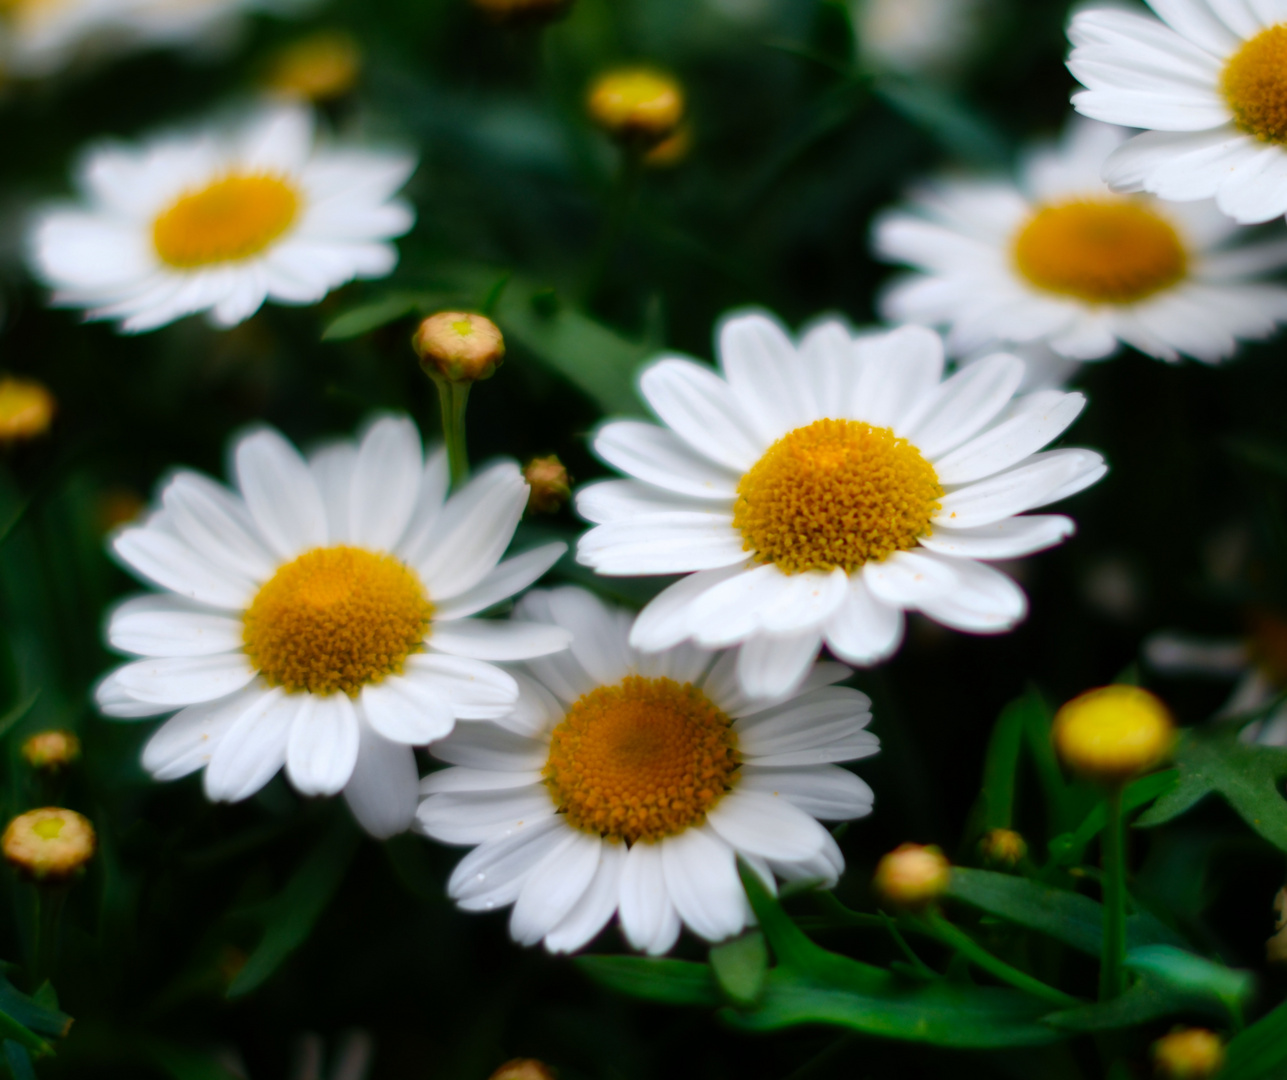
pixel 51 751
pixel 50 845
pixel 671 150
pixel 522 12
pixel 1276 946
pixel 548 480
pixel 637 105
pixel 1188 1054
pixel 912 876
pixel 318 68
pixel 1114 733
pixel 26 409
pixel 1003 847
pixel 523 1069
pixel 459 346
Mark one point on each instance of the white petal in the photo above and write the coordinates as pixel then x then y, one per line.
pixel 648 918
pixel 863 630
pixel 553 888
pixel 900 372
pixel 674 542
pixel 985 600
pixel 253 749
pixel 477 690
pixel 456 779
pixel 825 725
pixel 821 791
pixel 965 403
pixel 701 879
pixel 114 701
pixel 172 564
pixel 432 496
pixel 476 817
pixel 597 904
pixel 185 680
pixel 701 409
pixel 497 639
pixel 407 710
pixel 280 493
pixel 1010 441
pixel 762 825
pixel 1029 485
pixel 659 457
pixel 763 368
pixel 665 620
pixel 599 631
pixel 323 746
pixel 509 577
pixel 381 793
pixel 1008 538
pixel 385 483
pixel 492 875
pixel 607 501
pixel 770 666
pixel 907 579
pixel 485 746
pixel 186 742
pixel 721 684
pixel 332 469
pixel 159 625
pixel 217 525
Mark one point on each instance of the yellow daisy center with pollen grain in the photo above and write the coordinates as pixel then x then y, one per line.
pixel 234 218
pixel 335 619
pixel 835 493
pixel 1254 82
pixel 640 760
pixel 1105 251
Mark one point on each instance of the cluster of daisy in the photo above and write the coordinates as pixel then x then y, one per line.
pixel 330 613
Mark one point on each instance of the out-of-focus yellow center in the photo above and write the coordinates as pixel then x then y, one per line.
pixel 26 408
pixel 640 760
pixel 1254 82
pixel 1105 251
pixel 335 619
pixel 318 68
pixel 234 218
pixel 835 493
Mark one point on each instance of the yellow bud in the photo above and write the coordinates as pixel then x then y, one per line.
pixel 1276 946
pixel 548 481
pixel 51 751
pixel 523 1069
pixel 26 409
pixel 1003 847
pixel 1188 1054
pixel 671 150
pixel 912 876
pixel 318 68
pixel 636 105
pixel 1114 733
pixel 522 12
pixel 49 845
pixel 459 346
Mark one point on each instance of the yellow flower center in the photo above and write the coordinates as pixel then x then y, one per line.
pixel 641 760
pixel 835 493
pixel 336 619
pixel 26 408
pixel 1105 251
pixel 234 218
pixel 1254 82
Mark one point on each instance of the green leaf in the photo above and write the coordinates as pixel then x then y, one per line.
pixel 995 809
pixel 740 966
pixel 1068 917
pixel 19 1061
pixel 1193 974
pixel 1247 777
pixel 670 982
pixel 1070 848
pixel 1260 1050
pixel 377 313
pixel 958 128
pixel 289 917
pixel 1145 1001
pixel 184 1064
pixel 16 714
pixel 33 1012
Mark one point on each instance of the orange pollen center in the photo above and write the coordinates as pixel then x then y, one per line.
pixel 1254 82
pixel 1104 251
pixel 640 760
pixel 335 619
pixel 835 493
pixel 234 218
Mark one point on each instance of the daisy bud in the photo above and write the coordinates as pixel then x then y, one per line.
pixel 522 12
pixel 523 1069
pixel 48 846
pixel 671 150
pixel 636 105
pixel 1276 946
pixel 1114 733
pixel 459 346
pixel 318 68
pixel 912 876
pixel 1003 847
pixel 51 751
pixel 26 409
pixel 1188 1054
pixel 548 479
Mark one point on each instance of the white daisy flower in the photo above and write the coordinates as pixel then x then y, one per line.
pixel 816 492
pixel 632 782
pixel 1059 259
pixel 219 222
pixel 1210 81
pixel 318 618
pixel 932 38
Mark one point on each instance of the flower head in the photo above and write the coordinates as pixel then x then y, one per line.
pixel 912 876
pixel 1114 733
pixel 49 845
pixel 1057 260
pixel 630 783
pixel 219 221
pixel 816 491
pixel 318 617
pixel 1209 82
pixel 459 346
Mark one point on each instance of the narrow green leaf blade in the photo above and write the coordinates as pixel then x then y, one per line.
pixel 1260 1050
pixel 19 1061
pixel 669 982
pixel 740 966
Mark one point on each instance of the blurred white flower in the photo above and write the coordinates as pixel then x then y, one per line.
pixel 1058 259
pixel 319 618
pixel 631 783
pixel 220 221
pixel 919 37
pixel 815 491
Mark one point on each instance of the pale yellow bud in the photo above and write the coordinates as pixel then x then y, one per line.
pixel 636 105
pixel 1114 733
pixel 912 876
pixel 318 68
pixel 459 346
pixel 548 480
pixel 1189 1054
pixel 26 409
pixel 51 751
pixel 1003 847
pixel 50 845
pixel 523 1069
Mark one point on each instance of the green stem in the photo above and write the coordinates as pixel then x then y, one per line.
pixel 957 939
pixel 49 910
pixel 452 398
pixel 1112 970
